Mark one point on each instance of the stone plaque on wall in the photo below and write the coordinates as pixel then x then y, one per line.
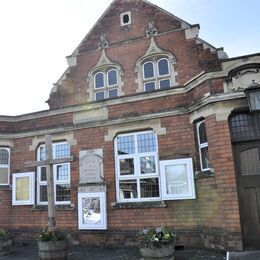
pixel 91 166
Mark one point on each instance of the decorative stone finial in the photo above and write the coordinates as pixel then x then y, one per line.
pixel 151 30
pixel 103 43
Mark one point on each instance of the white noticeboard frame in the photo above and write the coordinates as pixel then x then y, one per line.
pixel 92 212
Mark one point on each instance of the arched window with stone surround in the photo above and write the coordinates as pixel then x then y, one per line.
pixel 156 73
pixel 156 69
pixel 105 83
pixel 104 80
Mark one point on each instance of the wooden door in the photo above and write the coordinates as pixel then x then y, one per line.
pixel 247 157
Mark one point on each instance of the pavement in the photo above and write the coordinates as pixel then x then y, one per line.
pixel 29 252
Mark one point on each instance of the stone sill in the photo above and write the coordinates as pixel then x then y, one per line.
pixel 57 207
pixel 5 187
pixel 138 205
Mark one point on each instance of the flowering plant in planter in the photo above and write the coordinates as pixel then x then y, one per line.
pixel 156 242
pixel 47 234
pixel 156 234
pixel 4 233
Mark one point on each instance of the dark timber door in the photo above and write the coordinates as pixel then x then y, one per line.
pixel 248 179
pixel 246 146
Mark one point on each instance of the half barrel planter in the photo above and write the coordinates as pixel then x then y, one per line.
pixel 6 245
pixel 58 250
pixel 157 249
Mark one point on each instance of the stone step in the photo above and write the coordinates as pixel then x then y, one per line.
pixel 245 255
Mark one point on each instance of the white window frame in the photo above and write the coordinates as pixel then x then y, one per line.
pixel 190 175
pixel 31 176
pixel 137 176
pixel 156 78
pixel 201 145
pixel 112 86
pixel 103 221
pixel 104 80
pixel 157 66
pixel 44 183
pixel 6 166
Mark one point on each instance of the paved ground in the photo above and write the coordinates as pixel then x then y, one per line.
pixel 27 252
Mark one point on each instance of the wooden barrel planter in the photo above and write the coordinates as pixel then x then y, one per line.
pixel 157 249
pixel 6 245
pixel 53 249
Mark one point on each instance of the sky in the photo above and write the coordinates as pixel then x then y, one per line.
pixel 37 35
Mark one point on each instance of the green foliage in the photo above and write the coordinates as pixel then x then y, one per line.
pixel 52 235
pixel 156 234
pixel 4 233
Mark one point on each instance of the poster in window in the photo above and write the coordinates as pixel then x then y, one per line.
pixel 92 210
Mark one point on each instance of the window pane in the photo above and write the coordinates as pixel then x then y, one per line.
pixel 112 77
pixel 146 143
pixel 149 188
pixel 63 192
pixel 202 133
pixel 99 80
pixel 62 150
pixel 149 86
pixel 100 95
pixel 125 145
pixel 147 164
pixel 43 193
pixel 177 179
pixel 43 174
pixel 112 93
pixel 4 156
pixel 3 175
pixel 148 70
pixel 163 67
pixel 62 172
pixel 22 188
pixel 126 166
pixel 205 158
pixel 42 153
pixel 165 83
pixel 127 189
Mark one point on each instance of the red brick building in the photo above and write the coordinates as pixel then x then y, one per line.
pixel 158 124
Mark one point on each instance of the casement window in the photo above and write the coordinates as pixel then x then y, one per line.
pixel 138 176
pixel 61 175
pixel 106 84
pixel 4 165
pixel 156 74
pixel 23 188
pixel 137 167
pixel 203 146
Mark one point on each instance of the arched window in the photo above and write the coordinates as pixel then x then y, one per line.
pixel 156 74
pixel 203 146
pixel 105 83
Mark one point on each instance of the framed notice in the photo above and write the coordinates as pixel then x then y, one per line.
pixel 23 188
pixel 92 212
pixel 177 179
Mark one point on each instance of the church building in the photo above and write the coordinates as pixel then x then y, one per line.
pixel 158 125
